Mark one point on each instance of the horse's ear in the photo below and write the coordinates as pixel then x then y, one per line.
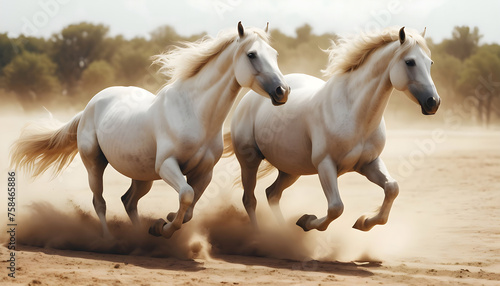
pixel 402 35
pixel 241 31
pixel 267 28
pixel 423 33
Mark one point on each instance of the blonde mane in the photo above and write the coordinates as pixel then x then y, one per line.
pixel 182 62
pixel 349 53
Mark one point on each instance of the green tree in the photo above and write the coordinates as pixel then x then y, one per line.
pixel 463 43
pixel 480 78
pixel 446 73
pixel 32 78
pixel 10 47
pixel 99 75
pixel 7 50
pixel 132 61
pixel 164 36
pixel 280 41
pixel 303 33
pixel 75 48
pixel 305 55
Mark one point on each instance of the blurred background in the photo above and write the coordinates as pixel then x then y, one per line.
pixel 59 53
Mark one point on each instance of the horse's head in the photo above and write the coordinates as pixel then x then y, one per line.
pixel 256 65
pixel 411 73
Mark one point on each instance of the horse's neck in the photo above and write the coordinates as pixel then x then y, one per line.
pixel 365 91
pixel 212 91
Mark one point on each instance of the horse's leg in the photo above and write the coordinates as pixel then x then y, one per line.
pixel 249 180
pixel 95 162
pixel 249 157
pixel 378 174
pixel 199 182
pixel 274 192
pixel 130 199
pixel 327 172
pixel 171 173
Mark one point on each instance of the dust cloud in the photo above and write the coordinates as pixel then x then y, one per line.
pixel 58 213
pixel 222 229
pixel 44 225
pixel 226 230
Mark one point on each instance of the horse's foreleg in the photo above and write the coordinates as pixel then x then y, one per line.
pixel 378 174
pixel 130 199
pixel 275 191
pixel 171 173
pixel 199 182
pixel 327 172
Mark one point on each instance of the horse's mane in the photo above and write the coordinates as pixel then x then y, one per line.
pixel 182 62
pixel 349 53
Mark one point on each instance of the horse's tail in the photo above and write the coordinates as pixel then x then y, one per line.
pixel 265 168
pixel 37 150
pixel 228 146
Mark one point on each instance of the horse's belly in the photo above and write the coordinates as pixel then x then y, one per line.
pixel 294 165
pixel 132 159
pixel 131 150
pixel 291 155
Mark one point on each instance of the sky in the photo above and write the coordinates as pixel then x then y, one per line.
pixel 132 18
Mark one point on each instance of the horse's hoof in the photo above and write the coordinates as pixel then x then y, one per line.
pixel 156 228
pixel 361 224
pixel 304 220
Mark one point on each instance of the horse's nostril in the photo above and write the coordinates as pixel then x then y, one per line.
pixel 431 102
pixel 280 91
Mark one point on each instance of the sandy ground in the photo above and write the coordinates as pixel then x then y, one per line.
pixel 443 229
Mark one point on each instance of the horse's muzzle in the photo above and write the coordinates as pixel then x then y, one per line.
pixel 280 95
pixel 427 97
pixel 430 106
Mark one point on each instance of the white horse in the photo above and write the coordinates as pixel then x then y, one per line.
pixel 330 128
pixel 175 136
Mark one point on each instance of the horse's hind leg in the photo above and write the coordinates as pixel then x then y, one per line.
pixel 249 157
pixel 249 180
pixel 378 174
pixel 95 162
pixel 137 190
pixel 274 192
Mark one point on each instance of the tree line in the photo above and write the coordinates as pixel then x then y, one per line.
pixel 68 68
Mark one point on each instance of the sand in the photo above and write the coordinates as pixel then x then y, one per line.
pixel 443 228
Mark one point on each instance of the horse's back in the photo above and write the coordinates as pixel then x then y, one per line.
pixel 303 84
pixel 118 104
pixel 122 97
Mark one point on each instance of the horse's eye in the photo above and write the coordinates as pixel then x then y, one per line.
pixel 410 63
pixel 251 55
